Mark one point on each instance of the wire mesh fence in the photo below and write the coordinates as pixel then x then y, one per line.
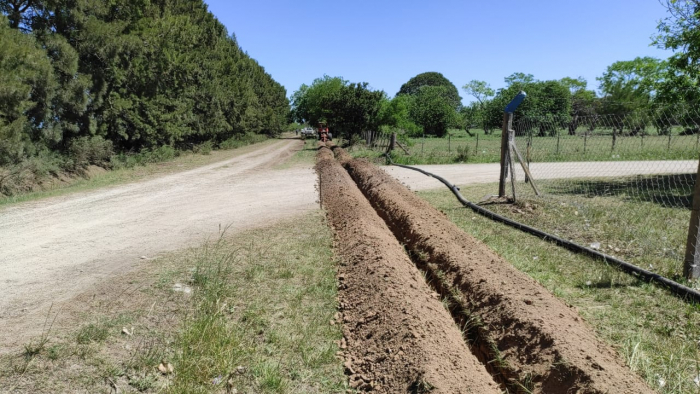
pixel 622 184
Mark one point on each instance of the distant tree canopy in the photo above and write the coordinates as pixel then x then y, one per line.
pixel 431 110
pixel 544 99
pixel 414 84
pixel 347 108
pixel 139 74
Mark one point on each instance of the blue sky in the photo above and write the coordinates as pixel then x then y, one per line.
pixel 385 43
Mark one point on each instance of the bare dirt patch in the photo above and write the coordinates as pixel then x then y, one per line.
pixel 397 334
pixel 535 339
pixel 53 249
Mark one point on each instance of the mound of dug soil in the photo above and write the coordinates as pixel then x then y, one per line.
pixel 398 337
pixel 540 343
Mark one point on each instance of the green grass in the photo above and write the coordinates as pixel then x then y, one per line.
pixel 257 320
pixel 482 148
pixel 654 331
pixel 264 304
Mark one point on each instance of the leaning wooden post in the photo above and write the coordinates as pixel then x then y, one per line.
pixel 392 143
pixel 505 146
pixel 691 266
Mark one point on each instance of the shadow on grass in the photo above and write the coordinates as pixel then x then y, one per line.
pixel 670 191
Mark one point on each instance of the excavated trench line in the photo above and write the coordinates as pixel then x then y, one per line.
pixel 398 337
pixel 536 341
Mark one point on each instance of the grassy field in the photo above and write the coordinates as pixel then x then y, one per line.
pixel 655 332
pixel 250 312
pixel 459 147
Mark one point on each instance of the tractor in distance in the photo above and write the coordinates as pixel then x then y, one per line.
pixel 323 133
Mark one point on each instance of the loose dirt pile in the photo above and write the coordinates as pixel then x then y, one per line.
pixel 536 341
pixel 398 337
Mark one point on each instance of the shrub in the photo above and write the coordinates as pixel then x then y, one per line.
pixel 85 151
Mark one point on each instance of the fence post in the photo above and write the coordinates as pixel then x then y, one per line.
pixel 669 140
pixel 614 139
pixel 585 142
pixel 558 142
pixel 477 144
pixel 392 143
pixel 449 142
pixel 422 144
pixel 691 264
pixel 505 147
pixel 507 119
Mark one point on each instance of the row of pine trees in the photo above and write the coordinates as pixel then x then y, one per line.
pixel 130 74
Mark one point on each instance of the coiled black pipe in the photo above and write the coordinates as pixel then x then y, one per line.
pixel 678 289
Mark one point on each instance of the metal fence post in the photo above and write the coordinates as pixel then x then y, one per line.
pixel 691 264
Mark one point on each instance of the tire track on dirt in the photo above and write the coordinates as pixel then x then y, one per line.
pixel 531 339
pixel 399 337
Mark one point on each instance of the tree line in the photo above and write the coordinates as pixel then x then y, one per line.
pixel 631 94
pixel 123 76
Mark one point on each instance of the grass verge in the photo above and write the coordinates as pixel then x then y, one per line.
pixel 306 156
pixel 249 312
pixel 98 177
pixel 655 332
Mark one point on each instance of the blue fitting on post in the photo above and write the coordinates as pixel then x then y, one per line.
pixel 513 105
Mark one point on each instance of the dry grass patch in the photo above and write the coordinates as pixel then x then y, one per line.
pixel 249 311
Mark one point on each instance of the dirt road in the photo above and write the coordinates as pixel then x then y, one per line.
pixel 53 249
pixel 488 173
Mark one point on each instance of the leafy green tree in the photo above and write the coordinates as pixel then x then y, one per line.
pixel 634 81
pixel 395 114
pixel 414 84
pixel 347 108
pixel 548 104
pixel 584 102
pixel 432 110
pixel 482 92
pixel 629 89
pixel 680 32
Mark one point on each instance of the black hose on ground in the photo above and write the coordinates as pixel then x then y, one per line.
pixel 684 292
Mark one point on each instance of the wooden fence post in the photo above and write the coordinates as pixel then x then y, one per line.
pixel 506 159
pixel 392 143
pixel 505 154
pixel 691 266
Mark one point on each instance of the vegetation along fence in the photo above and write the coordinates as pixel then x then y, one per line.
pixel 620 184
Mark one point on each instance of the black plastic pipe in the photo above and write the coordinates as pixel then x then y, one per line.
pixel 684 292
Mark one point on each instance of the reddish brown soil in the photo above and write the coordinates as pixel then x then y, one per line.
pixel 398 337
pixel 543 343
